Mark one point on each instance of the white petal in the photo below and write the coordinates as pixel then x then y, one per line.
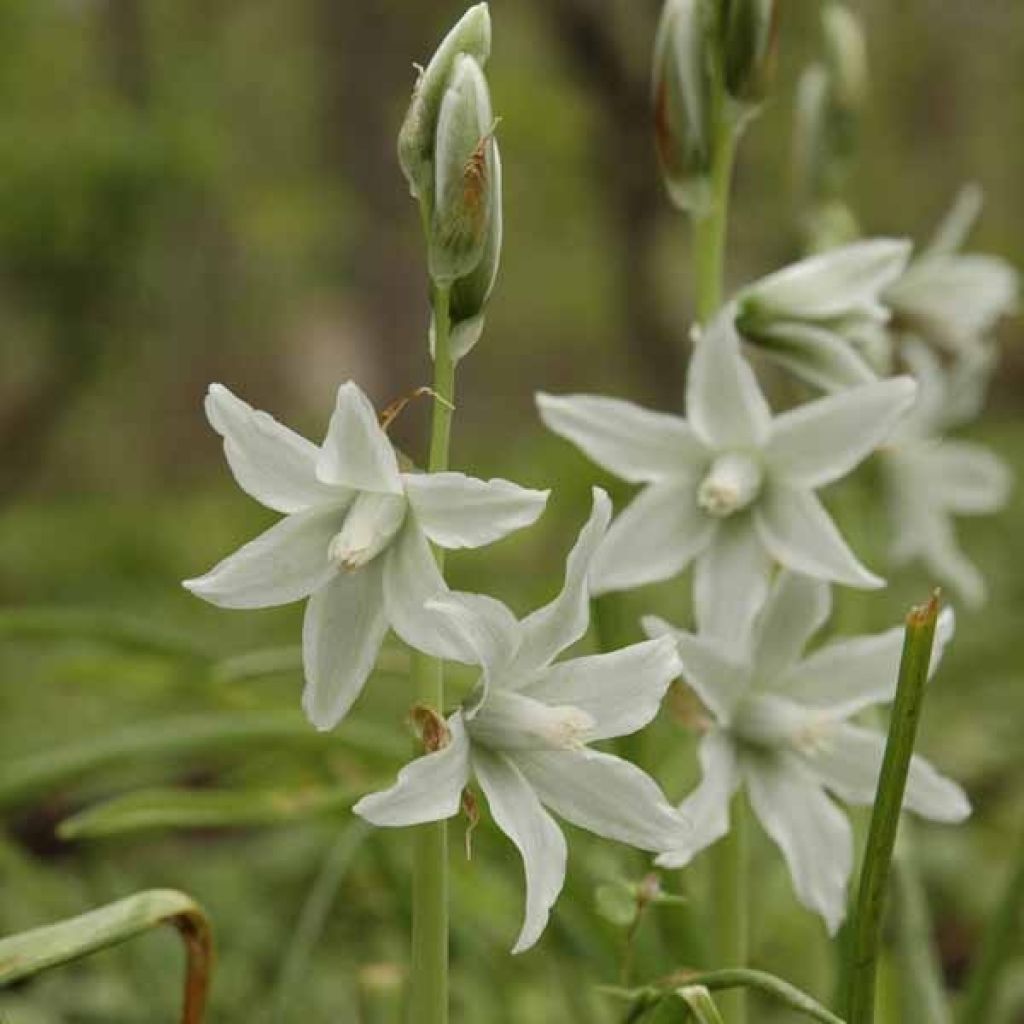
pixel 411 581
pixel 813 834
pixel 797 607
pixel 356 452
pixel 966 478
pixel 487 630
pixel 551 629
pixel 820 356
pixel 428 789
pixel 459 511
pixel 653 539
pixel 822 441
pixel 519 814
pixel 709 668
pixel 284 564
pixel 850 761
pixel 798 532
pixel 707 807
pixel 833 284
pixel 342 631
pixel 731 580
pixel 605 795
pixel 634 443
pixel 846 676
pixel 959 221
pixel 724 402
pixel 271 463
pixel 620 691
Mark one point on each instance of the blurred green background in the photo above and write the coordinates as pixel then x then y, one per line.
pixel 195 191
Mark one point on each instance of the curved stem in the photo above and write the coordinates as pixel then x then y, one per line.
pixel 428 997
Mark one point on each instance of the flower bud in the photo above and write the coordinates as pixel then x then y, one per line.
pixel 464 175
pixel 416 139
pixel 682 101
pixel 750 38
pixel 845 55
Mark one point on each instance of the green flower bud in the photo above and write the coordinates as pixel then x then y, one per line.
pixel 682 87
pixel 750 44
pixel 846 56
pixel 463 175
pixel 416 139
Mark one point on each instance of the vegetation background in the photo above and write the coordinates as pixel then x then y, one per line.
pixel 195 191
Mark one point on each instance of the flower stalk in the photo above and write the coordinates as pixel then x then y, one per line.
pixel 711 224
pixel 730 894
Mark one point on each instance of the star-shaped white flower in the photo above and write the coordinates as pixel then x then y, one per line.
pixel 782 728
pixel 950 298
pixel 731 486
pixel 823 318
pixel 354 540
pixel 523 734
pixel 931 479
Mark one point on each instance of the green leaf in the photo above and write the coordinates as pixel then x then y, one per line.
pixel 701 1005
pixel 27 954
pixel 159 809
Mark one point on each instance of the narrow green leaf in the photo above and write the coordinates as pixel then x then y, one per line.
pixel 700 1003
pixel 153 810
pixel 183 737
pixel 271 661
pixel 885 816
pixel 27 954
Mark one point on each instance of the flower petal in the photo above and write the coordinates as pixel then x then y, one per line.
pixel 560 623
pixel 605 795
pixel 519 814
pixel 634 443
pixel 356 452
pixel 821 441
pixel 850 761
pixel 731 580
pixel 653 539
pixel 459 511
pixel 724 402
pixel 271 463
pixel 813 834
pixel 707 807
pixel 966 478
pixel 342 631
pixel 798 532
pixel 285 563
pixel 621 691
pixel 797 607
pixel 709 669
pixel 428 788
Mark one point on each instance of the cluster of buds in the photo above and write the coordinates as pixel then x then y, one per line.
pixel 450 158
pixel 713 62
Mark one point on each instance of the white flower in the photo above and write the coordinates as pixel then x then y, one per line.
pixel 823 318
pixel 783 730
pixel 354 539
pixel 931 479
pixel 954 299
pixel 523 734
pixel 731 486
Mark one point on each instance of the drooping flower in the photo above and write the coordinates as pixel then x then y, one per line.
pixel 931 479
pixel 783 729
pixel 732 486
pixel 950 298
pixel 354 538
pixel 523 734
pixel 823 318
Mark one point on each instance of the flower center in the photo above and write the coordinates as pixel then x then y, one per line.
pixel 773 722
pixel 371 524
pixel 510 721
pixel 731 484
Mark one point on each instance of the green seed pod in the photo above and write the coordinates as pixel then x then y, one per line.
pixel 750 30
pixel 464 182
pixel 416 138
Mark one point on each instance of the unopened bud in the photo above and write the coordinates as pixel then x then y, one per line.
pixel 750 36
pixel 464 180
pixel 416 139
pixel 845 55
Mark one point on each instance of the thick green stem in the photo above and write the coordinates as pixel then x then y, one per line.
pixel 885 817
pixel 711 226
pixel 428 996
pixel 728 910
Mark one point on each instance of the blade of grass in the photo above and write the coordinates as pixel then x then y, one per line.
pixel 31 952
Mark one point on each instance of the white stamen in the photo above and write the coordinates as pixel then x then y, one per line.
pixel 732 483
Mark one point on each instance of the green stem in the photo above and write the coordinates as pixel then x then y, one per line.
pixel 428 997
pixel 996 949
pixel 885 817
pixel 728 910
pixel 711 226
